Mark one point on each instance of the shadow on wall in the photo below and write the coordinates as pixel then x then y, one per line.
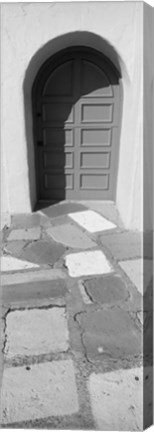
pixel 85 39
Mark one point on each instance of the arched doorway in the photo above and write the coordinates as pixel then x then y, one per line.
pixel 77 113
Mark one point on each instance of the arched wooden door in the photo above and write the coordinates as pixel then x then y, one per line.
pixel 77 110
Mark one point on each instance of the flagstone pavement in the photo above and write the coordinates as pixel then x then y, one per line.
pixel 76 317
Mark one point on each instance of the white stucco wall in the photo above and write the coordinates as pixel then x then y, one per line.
pixel 5 211
pixel 30 34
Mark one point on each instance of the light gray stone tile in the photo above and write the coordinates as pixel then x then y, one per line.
pixel 39 391
pixel 117 399
pixel 139 272
pixel 36 332
pixel 71 236
pixel 87 263
pixel 92 221
pixel 9 263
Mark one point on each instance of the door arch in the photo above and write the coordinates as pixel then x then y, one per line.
pixel 77 114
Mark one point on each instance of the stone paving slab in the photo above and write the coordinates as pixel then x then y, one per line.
pixel 109 289
pixel 139 271
pixel 109 333
pixel 15 247
pixel 36 331
pixel 62 209
pixel 117 399
pixel 9 263
pixel 26 221
pixel 123 245
pixel 25 234
pixel 57 221
pixel 38 291
pixel 106 209
pixel 39 391
pixel 87 263
pixel 92 221
pixel 43 252
pixel 32 276
pixel 71 236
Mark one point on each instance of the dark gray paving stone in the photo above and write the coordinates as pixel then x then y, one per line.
pixel 110 334
pixel 43 252
pixel 33 291
pixel 107 290
pixel 62 209
pixel 123 245
pixel 27 234
pixel 25 220
pixel 15 247
pixel 57 221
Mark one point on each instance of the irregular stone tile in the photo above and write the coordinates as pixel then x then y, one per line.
pixel 25 292
pixel 71 236
pixel 25 234
pixel 139 271
pixel 41 275
pixel 106 209
pixel 36 331
pixel 110 333
pixel 87 263
pixel 117 399
pixel 25 221
pixel 57 221
pixel 123 245
pixel 62 209
pixel 39 391
pixel 107 290
pixel 15 247
pixel 92 221
pixel 9 263
pixel 43 252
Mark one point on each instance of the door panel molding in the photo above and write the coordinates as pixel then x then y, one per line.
pixel 77 106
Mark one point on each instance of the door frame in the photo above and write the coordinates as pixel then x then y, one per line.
pixel 47 67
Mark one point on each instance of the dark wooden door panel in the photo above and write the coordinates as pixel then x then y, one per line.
pixel 90 75
pixel 77 133
pixel 60 82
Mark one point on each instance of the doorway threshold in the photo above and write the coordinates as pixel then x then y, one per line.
pixel 55 208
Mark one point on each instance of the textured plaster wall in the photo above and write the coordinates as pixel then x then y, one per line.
pixel 31 33
pixel 5 212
